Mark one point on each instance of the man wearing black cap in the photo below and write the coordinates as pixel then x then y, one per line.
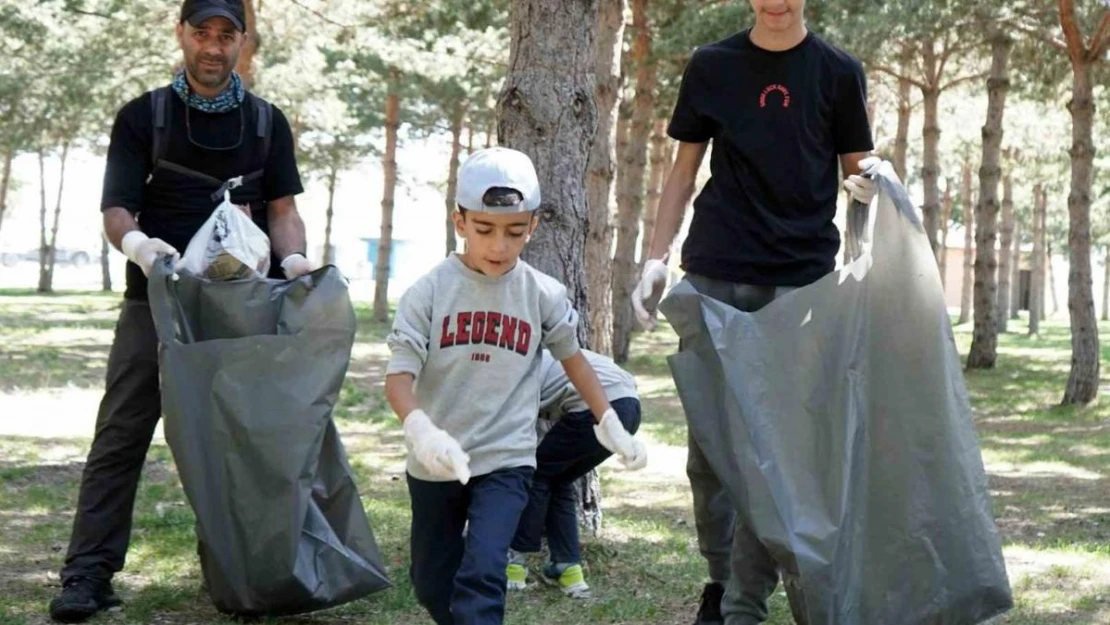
pixel 173 153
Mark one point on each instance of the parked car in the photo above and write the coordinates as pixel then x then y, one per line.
pixel 62 256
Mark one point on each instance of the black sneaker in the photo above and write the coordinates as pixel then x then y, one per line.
pixel 709 612
pixel 81 598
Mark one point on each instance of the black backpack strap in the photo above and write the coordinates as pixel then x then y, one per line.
pixel 264 123
pixel 160 115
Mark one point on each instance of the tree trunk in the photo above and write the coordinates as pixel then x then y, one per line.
pixel 930 167
pixel 105 264
pixel 966 282
pixel 1015 278
pixel 491 133
pixel 1036 286
pixel 1006 256
pixel 1106 284
pixel 1082 385
pixel 453 176
pixel 548 110
pixel 984 341
pixel 945 217
pixel 624 118
pixel 42 215
pixel 630 194
pixel 905 112
pixel 658 171
pixel 329 253
pixel 469 139
pixel 245 65
pixel 599 178
pixel 5 180
pixel 53 247
pixel 389 166
pixel 48 253
pixel 1051 271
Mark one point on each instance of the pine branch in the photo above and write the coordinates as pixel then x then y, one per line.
pixel 962 79
pixel 900 76
pixel 322 16
pixel 1102 38
pixel 1072 34
pixel 73 9
pixel 1037 33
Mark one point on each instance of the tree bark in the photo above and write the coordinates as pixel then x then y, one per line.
pixel 630 194
pixel 245 65
pixel 966 283
pixel 905 112
pixel 599 180
pixel 547 109
pixel 48 246
pixel 1050 269
pixel 42 214
pixel 453 176
pixel 389 166
pixel 1015 278
pixel 659 164
pixel 1005 254
pixel 930 169
pixel 1036 286
pixel 1106 283
pixel 984 341
pixel 53 258
pixel 1082 387
pixel 5 181
pixel 105 264
pixel 329 253
pixel 945 217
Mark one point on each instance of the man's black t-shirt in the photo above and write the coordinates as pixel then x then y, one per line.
pixel 172 206
pixel 778 121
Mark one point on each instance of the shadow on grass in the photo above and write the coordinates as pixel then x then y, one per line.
pixel 40 367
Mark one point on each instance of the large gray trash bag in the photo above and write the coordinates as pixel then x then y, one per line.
pixel 250 373
pixel 838 420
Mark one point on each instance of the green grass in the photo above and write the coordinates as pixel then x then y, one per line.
pixel 1049 470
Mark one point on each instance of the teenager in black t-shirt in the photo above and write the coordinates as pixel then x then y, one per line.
pixel 785 110
pixel 171 152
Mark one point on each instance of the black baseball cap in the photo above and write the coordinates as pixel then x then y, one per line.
pixel 196 11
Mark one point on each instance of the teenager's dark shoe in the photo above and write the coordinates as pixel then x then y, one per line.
pixel 82 598
pixel 709 612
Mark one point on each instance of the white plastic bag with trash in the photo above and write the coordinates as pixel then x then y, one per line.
pixel 229 246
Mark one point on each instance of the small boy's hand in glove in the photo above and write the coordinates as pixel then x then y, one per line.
pixel 611 434
pixel 435 449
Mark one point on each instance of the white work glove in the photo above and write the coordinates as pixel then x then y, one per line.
pixel 296 265
pixel 611 434
pixel 860 186
pixel 143 250
pixel 435 449
pixel 652 280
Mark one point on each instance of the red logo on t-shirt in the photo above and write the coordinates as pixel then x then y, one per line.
pixel 781 89
pixel 487 328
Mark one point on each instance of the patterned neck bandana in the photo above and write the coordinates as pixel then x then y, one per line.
pixel 226 101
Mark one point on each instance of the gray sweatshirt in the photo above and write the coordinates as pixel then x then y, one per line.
pixel 558 395
pixel 473 343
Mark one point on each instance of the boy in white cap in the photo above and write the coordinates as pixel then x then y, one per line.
pixel 468 336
